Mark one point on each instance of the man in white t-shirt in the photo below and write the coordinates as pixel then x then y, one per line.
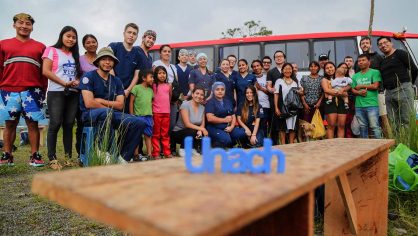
pixel 262 93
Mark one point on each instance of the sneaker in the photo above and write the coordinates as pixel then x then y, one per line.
pixel 195 152
pixel 143 158
pixel 55 165
pixel 6 159
pixel 346 106
pixel 182 153
pixel 36 160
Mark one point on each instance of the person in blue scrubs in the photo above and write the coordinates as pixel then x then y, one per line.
pixel 226 78
pixel 221 119
pixel 201 76
pixel 128 67
pixel 243 80
pixel 249 116
pixel 145 59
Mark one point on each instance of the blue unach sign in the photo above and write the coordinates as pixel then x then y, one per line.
pixel 235 160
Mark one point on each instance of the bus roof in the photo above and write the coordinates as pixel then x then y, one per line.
pixel 282 37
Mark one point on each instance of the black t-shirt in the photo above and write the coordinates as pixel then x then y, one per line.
pixel 394 69
pixel 273 75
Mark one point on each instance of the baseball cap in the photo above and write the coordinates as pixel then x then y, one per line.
pixel 323 57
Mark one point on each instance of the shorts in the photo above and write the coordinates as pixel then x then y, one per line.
pixel 333 107
pixel 29 103
pixel 149 123
pixel 382 104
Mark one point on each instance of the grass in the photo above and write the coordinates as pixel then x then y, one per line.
pixel 22 213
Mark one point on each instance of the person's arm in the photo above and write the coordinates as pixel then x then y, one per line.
pixel 216 120
pixel 186 120
pixel 318 104
pixel 373 86
pixel 133 83
pixel 131 104
pixel 409 64
pixel 118 104
pixel 327 89
pixel 253 138
pixel 47 72
pixel 202 126
pixel 305 105
pixel 244 126
pixel 89 101
pixel 259 87
pixel 231 125
pixel 170 91
pixel 276 104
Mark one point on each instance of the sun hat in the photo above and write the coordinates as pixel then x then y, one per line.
pixel 106 51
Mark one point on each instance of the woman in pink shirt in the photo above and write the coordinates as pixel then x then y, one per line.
pixel 161 113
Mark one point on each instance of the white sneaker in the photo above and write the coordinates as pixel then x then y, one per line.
pixel 195 152
pixel 182 153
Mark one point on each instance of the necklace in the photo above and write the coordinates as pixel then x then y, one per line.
pixel 288 81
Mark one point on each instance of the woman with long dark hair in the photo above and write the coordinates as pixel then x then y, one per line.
pixel 90 44
pixel 335 111
pixel 249 116
pixel 243 80
pixel 61 66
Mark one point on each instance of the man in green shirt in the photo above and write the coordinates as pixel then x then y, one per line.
pixel 365 86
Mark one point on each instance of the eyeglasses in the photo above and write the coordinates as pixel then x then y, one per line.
pixel 383 43
pixel 266 62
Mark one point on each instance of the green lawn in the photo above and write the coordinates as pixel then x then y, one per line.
pixel 22 213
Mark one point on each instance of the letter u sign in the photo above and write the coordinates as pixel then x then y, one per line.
pixel 235 160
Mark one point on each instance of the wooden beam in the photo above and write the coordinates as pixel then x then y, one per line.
pixel 347 197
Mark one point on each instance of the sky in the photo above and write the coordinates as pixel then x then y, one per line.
pixel 183 20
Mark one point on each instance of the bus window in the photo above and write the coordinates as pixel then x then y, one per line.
pixel 345 47
pixel 270 49
pixel 324 47
pixel 249 52
pixel 298 52
pixel 209 51
pixel 155 55
pixel 396 44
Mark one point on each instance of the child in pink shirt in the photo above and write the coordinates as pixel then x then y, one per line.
pixel 161 113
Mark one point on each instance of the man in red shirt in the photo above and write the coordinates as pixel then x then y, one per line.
pixel 22 87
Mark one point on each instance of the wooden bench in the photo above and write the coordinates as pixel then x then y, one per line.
pixel 162 198
pixel 42 133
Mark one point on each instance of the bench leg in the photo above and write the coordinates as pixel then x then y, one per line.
pixel 296 218
pixel 356 203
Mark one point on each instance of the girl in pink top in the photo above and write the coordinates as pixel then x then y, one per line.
pixel 161 113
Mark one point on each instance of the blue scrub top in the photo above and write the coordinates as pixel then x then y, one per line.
pixel 128 63
pixel 145 62
pixel 183 78
pixel 202 80
pixel 105 89
pixel 241 84
pixel 229 86
pixel 251 117
pixel 220 109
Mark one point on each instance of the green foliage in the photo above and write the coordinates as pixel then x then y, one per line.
pixel 250 28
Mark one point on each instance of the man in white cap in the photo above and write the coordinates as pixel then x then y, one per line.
pixel 102 95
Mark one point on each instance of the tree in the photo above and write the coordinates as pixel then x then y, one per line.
pixel 250 28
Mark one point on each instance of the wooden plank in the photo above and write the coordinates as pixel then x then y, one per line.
pixel 369 188
pixel 162 198
pixel 350 207
pixel 296 218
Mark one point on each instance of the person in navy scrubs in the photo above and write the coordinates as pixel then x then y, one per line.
pixel 225 77
pixel 221 119
pixel 243 80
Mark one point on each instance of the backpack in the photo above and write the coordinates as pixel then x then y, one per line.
pixel 292 102
pixel 176 91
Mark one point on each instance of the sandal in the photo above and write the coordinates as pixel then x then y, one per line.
pixel 68 163
pixel 55 165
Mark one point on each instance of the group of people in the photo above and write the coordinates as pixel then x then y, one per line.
pixel 162 103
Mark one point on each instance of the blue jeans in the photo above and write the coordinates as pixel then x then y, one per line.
pixel 130 126
pixel 368 117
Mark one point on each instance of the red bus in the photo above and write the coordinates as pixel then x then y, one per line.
pixel 299 48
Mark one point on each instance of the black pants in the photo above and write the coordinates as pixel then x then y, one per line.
pixel 179 136
pixel 62 108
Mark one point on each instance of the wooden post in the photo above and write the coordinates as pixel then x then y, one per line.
pixel 368 184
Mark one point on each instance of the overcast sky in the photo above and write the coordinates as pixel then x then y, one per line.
pixel 182 20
